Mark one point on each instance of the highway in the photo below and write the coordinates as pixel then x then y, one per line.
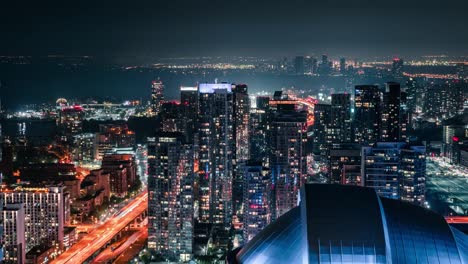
pixel 109 254
pixel 132 251
pixel 98 238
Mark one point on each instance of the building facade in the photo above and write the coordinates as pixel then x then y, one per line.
pixel 287 139
pixel 257 201
pixel 395 170
pixel 367 111
pixel 14 240
pixel 44 211
pixel 216 153
pixel 171 198
pixel 157 96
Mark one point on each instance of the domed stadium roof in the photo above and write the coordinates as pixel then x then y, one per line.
pixel 349 224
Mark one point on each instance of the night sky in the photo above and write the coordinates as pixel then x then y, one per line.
pixel 150 29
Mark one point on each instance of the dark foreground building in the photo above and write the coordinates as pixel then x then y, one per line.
pixel 349 224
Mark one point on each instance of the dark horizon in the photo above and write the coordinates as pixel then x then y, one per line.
pixel 144 30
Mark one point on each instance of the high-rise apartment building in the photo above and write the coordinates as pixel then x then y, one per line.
pixel 171 198
pixel 157 96
pixel 395 170
pixel 340 123
pixel 380 168
pixel 44 211
pixel 367 111
pixel 258 126
pixel 257 202
pixel 413 174
pixel 241 118
pixel 391 113
pixel 189 101
pixel 287 139
pixel 216 153
pixel 322 121
pixel 444 100
pixel 241 104
pixel 14 242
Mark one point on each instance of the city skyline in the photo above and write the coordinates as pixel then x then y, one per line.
pixel 239 132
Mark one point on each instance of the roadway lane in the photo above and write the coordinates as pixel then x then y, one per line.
pixel 98 238
pixel 132 251
pixel 108 254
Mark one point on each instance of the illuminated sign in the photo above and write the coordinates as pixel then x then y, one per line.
pixel 188 89
pixel 211 87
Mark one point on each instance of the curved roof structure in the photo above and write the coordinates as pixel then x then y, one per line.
pixel 349 224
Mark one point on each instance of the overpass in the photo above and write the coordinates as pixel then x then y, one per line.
pixel 101 236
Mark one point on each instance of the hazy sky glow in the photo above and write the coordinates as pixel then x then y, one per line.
pixel 254 28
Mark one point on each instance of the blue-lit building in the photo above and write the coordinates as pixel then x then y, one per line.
pixel 395 170
pixel 257 206
pixel 350 224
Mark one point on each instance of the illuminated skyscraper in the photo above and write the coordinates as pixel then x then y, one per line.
pixel 391 109
pixel 189 102
pixel 216 153
pixel 444 100
pixel 257 202
pixel 340 126
pixel 287 139
pixel 322 113
pixel 170 188
pixel 258 130
pixel 367 110
pixel 157 96
pixel 414 95
pixel 405 116
pixel 241 111
pixel 241 121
